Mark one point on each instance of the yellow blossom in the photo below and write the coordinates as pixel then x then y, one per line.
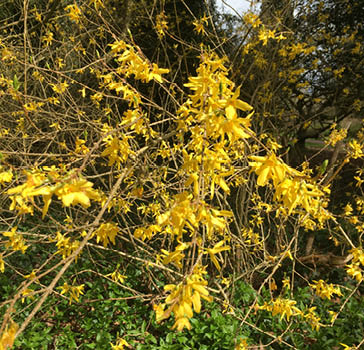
pixel 156 73
pixel 81 148
pixel 218 248
pixel 242 345
pixel 199 25
pixel 48 38
pixel 336 136
pixel 7 337
pixel 161 24
pixel 284 307
pixel 120 344
pixel 2 263
pixel 355 149
pixel 252 19
pixel 16 240
pixel 60 88
pixel 77 191
pixel 116 276
pixel 355 271
pixel 107 232
pixel 182 300
pixel 325 290
pixel 74 12
pixel 73 291
pixel 5 176
pixel 264 35
pixel 268 167
pixel 66 245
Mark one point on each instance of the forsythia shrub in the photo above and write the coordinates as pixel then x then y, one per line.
pixel 104 148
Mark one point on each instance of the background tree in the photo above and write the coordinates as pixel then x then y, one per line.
pixel 314 69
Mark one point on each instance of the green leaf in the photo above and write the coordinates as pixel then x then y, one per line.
pixel 144 326
pixel 182 339
pixel 16 84
pixel 169 338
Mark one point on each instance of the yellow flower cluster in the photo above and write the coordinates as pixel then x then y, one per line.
pixel 211 114
pixel 286 308
pixel 187 214
pixel 325 290
pixel 182 300
pixel 5 176
pixel 161 25
pixel 107 232
pixel 46 182
pixel 200 25
pixel 74 13
pixel 292 187
pixel 120 344
pixel 8 336
pixel 131 63
pixel 117 149
pixel 356 149
pixel 354 269
pixel 73 291
pixel 66 245
pixel 16 240
pixel 280 306
pixel 336 136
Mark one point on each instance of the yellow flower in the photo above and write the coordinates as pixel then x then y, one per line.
pixel 65 245
pixel 120 344
pixel 355 271
pixel 156 73
pixel 218 248
pixel 264 35
pixel 48 38
pixel 60 88
pixel 348 210
pixel 8 336
pixel 298 192
pixel 286 283
pixel 6 176
pixel 325 290
pixel 242 345
pixel 268 167
pixel 252 19
pixel 2 263
pixel 176 256
pixel 78 191
pixel 25 294
pixel 107 232
pixel 74 291
pixel 336 136
pixel 183 299
pixel 116 276
pixel 162 24
pixel 284 307
pixel 199 25
pixel 81 148
pixel 16 240
pixel 355 149
pixel 74 12
pixel 358 255
pixel 117 150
